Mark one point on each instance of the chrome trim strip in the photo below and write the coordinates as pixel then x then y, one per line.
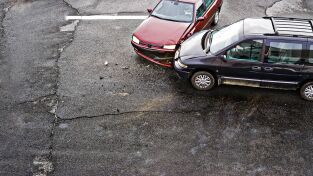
pixel 282 82
pixel 258 80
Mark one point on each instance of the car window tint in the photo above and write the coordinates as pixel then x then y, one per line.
pixel 208 3
pixel 202 6
pixel 247 51
pixel 311 55
pixel 174 11
pixel 201 10
pixel 283 52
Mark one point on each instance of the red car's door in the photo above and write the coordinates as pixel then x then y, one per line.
pixel 207 10
pixel 200 12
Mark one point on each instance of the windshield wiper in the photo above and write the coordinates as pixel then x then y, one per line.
pixel 169 19
pixel 158 17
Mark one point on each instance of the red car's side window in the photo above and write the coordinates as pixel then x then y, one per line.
pixel 208 3
pixel 201 9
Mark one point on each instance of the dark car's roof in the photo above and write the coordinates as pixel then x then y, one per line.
pixel 254 26
pixel 278 26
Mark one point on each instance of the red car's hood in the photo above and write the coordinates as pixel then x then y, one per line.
pixel 162 32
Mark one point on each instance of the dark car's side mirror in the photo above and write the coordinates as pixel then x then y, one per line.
pixel 200 19
pixel 224 57
pixel 149 10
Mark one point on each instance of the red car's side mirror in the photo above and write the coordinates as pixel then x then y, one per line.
pixel 200 19
pixel 149 10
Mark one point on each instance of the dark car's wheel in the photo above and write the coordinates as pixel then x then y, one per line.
pixel 203 80
pixel 216 18
pixel 306 91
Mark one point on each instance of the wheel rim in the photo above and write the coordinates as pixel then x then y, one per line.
pixel 216 17
pixel 308 92
pixel 203 81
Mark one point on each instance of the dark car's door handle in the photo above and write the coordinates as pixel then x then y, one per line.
pixel 256 68
pixel 268 69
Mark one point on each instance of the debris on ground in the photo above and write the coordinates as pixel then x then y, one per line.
pixel 70 27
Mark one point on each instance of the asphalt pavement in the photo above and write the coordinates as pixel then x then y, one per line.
pixel 77 100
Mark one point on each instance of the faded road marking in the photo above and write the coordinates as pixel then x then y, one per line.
pixel 105 17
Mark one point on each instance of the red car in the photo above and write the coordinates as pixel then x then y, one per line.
pixel 171 22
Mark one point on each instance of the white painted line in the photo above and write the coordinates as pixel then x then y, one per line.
pixel 105 17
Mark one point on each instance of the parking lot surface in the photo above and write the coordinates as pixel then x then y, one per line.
pixel 77 100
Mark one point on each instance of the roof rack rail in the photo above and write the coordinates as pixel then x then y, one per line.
pixel 286 26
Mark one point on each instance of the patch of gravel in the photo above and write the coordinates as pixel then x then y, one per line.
pixel 286 7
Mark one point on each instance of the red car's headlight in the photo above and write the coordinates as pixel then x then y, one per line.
pixel 170 47
pixel 136 40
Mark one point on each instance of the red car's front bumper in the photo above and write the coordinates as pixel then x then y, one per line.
pixel 155 55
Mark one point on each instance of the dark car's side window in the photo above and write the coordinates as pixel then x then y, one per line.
pixel 247 51
pixel 311 55
pixel 283 52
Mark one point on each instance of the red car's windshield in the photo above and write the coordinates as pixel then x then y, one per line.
pixel 174 11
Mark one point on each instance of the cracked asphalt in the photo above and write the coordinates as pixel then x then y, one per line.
pixel 65 111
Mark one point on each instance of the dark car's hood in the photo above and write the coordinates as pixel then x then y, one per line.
pixel 193 46
pixel 162 32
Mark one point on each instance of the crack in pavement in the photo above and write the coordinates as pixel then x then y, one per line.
pixel 131 112
pixel 70 6
pixel 6 8
pixel 48 162
pixel 35 100
pixel 252 109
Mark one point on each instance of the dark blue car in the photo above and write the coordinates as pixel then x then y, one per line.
pixel 269 52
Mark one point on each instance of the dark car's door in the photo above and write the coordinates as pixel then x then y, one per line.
pixel 283 63
pixel 308 67
pixel 242 64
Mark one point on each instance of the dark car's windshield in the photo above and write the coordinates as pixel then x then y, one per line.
pixel 174 11
pixel 225 37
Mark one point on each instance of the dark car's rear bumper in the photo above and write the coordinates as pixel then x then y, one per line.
pixel 161 57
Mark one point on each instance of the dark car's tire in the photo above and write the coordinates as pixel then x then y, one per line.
pixel 202 80
pixel 216 18
pixel 306 91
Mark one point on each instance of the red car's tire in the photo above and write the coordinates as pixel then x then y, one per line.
pixel 216 18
